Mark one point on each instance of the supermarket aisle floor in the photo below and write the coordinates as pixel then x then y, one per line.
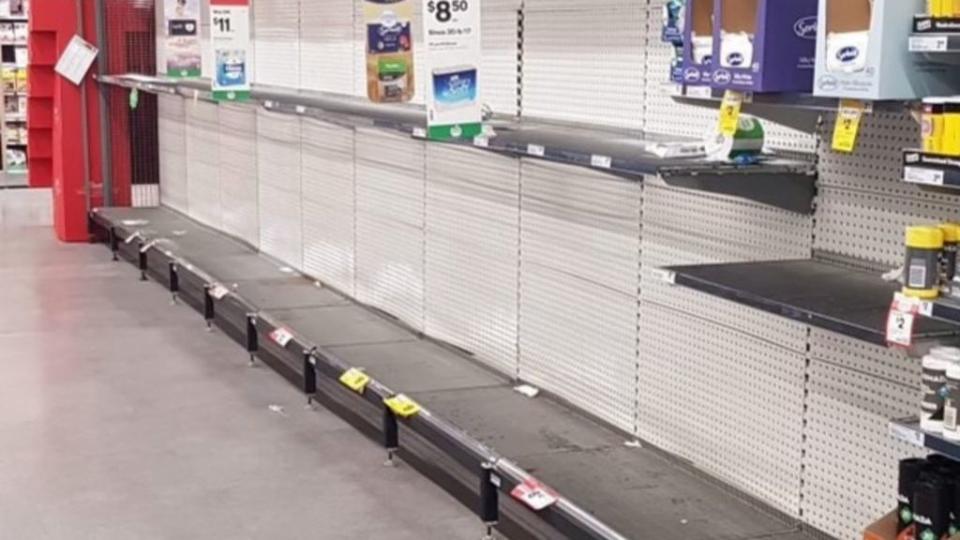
pixel 118 422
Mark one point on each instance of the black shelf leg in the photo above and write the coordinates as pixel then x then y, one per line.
pixel 489 500
pixel 391 435
pixel 114 244
pixel 253 342
pixel 142 261
pixel 208 309
pixel 309 376
pixel 174 282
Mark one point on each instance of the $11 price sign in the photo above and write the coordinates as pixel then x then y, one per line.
pixel 230 37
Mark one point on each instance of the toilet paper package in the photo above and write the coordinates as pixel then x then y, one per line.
pixel 862 53
pixel 696 63
pixel 764 45
pixel 847 51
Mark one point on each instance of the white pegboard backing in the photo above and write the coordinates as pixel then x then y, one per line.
pixel 583 223
pixel 580 257
pixel 885 363
pixel 329 203
pixel 203 163
pixel 473 252
pixel 682 227
pixel 729 402
pixel 278 163
pixel 360 52
pixel 499 66
pixel 326 45
pixel 582 62
pixel 876 165
pixel 238 172
pixel 390 223
pixel 172 149
pixel 276 31
pixel 869 225
pixel 850 461
pixel 664 115
pixel 761 230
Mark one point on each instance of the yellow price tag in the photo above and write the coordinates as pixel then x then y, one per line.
pixel 355 380
pixel 402 406
pixel 730 113
pixel 845 132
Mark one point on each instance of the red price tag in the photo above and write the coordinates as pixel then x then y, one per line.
pixel 900 320
pixel 281 336
pixel 534 494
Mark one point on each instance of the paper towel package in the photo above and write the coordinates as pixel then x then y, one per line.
pixel 863 53
pixel 764 45
pixel 697 63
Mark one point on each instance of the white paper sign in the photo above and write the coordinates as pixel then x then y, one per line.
pixel 451 34
pixel 76 60
pixel 182 38
pixel 230 40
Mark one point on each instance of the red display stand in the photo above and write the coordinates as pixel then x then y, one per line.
pixel 55 151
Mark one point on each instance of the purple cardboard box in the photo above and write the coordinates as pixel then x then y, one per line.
pixel 698 33
pixel 784 43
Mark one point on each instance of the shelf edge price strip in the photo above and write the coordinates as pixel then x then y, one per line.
pixel 534 494
pixel 907 435
pixel 402 406
pixel 355 380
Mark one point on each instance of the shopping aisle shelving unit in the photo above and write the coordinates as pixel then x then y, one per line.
pixel 14 82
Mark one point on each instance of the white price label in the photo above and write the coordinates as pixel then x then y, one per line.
pixel 536 150
pixel 601 162
pixel 534 494
pixel 419 133
pixel 219 291
pixel 900 320
pixel 929 43
pixel 223 24
pixel 481 141
pixel 281 336
pixel 700 92
pixel 921 175
pixel 907 435
pixel 667 276
pixel 301 109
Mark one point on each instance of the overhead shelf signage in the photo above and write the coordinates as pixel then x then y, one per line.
pixel 452 37
pixel 230 37
pixel 182 33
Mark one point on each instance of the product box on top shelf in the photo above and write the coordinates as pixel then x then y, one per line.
pixel 863 53
pixel 697 60
pixel 764 45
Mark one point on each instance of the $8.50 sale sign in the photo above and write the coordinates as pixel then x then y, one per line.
pixel 452 39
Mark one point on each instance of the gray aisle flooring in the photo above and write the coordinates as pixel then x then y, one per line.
pixel 123 422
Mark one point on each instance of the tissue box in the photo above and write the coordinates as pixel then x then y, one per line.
pixel 863 53
pixel 764 45
pixel 696 64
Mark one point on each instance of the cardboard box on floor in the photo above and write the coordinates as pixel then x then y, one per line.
pixel 882 67
pixel 885 528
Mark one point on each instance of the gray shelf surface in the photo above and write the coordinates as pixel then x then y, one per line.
pixel 637 491
pixel 789 184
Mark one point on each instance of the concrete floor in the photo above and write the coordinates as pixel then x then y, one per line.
pixel 119 422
